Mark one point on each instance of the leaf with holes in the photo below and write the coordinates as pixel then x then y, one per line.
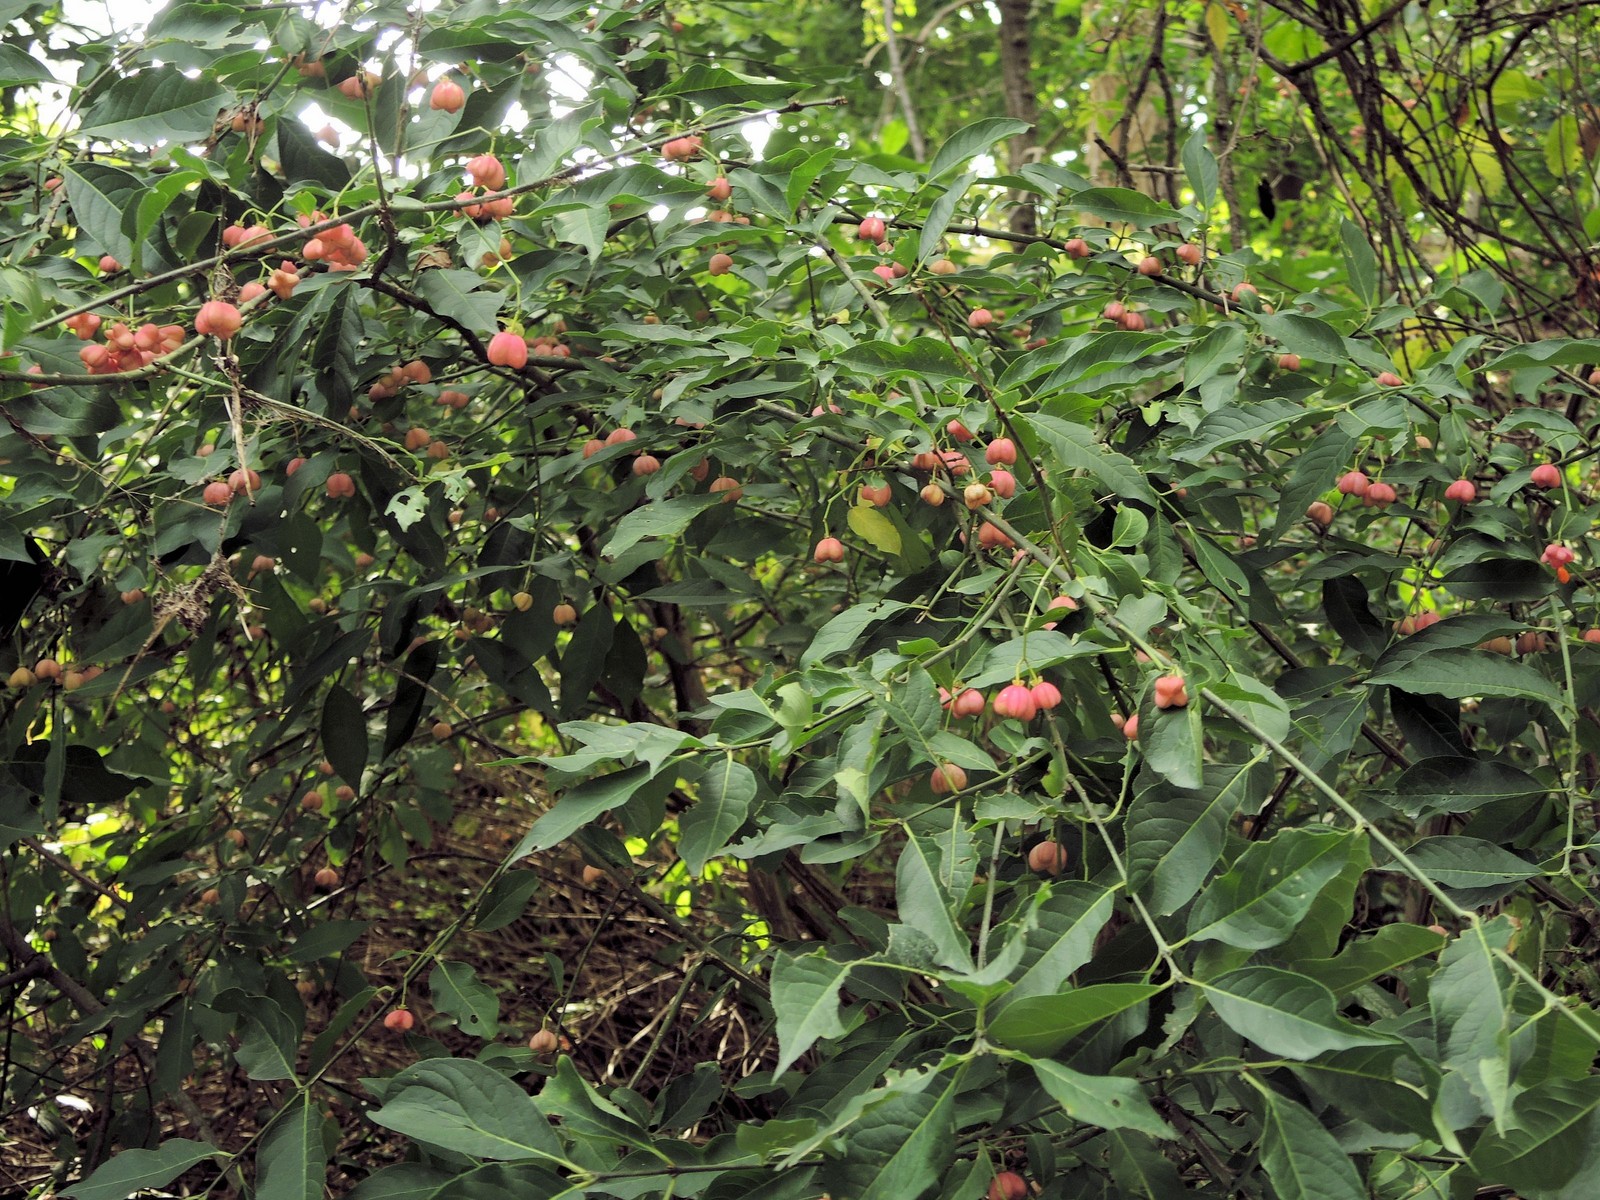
pixel 457 992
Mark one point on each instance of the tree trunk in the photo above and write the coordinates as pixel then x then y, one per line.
pixel 1016 79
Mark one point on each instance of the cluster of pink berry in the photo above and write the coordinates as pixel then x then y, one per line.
pixel 1021 702
pixel 1125 317
pixel 281 283
pixel 487 173
pixel 645 463
pixel 339 247
pixel 398 376
pixel 1373 495
pixel 219 492
pixel 242 235
pixel 681 149
pixel 124 349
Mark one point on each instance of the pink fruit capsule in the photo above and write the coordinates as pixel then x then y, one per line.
pixel 1170 693
pixel 969 703
pixel 1016 701
pixel 1000 452
pixel 1353 483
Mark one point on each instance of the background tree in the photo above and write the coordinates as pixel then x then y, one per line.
pixel 598 600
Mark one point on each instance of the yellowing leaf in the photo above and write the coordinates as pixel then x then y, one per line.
pixel 1563 151
pixel 867 522
pixel 1218 26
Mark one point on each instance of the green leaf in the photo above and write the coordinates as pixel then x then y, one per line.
pixel 1200 165
pixel 1347 605
pixel 1073 361
pixel 99 196
pixel 1472 1013
pixel 662 519
pixel 1263 421
pixel 1122 205
pixel 1501 579
pixel 404 1181
pixel 1468 862
pixel 1300 1156
pixel 1256 703
pixel 1221 571
pixel 410 694
pixel 713 86
pixel 292 1163
pixel 1554 352
pixel 584 226
pixel 467 1107
pixel 1563 145
pixel 1107 1101
pixel 918 357
pixel 1462 673
pixel 805 1000
pixel 1075 448
pixel 570 1099
pixel 139 1170
pixel 1033 651
pixel 269 1039
pixel 1321 929
pixel 923 905
pixel 582 804
pixel 157 200
pixel 1360 263
pixel 1309 337
pixel 18 68
pixel 507 900
pixel 1314 468
pixel 1139 1168
pixel 1041 1025
pixel 806 174
pixel 1218 26
pixel 1175 837
pixel 461 296
pixel 726 792
pixel 1368 958
pixel 1067 923
pixel 1219 347
pixel 1389 1086
pixel 1286 1014
pixel 456 991
pixel 556 140
pixel 946 201
pixel 326 940
pixel 584 660
pixel 1453 784
pixel 966 143
pixel 1172 743
pixel 1258 902
pixel 83 773
pixel 1553 1136
pixel 304 160
pixel 337 345
pixel 900 1148
pixel 344 735
pixel 65 411
pixel 158 104
pixel 1328 728
pixel 584 1114
pixel 843 631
